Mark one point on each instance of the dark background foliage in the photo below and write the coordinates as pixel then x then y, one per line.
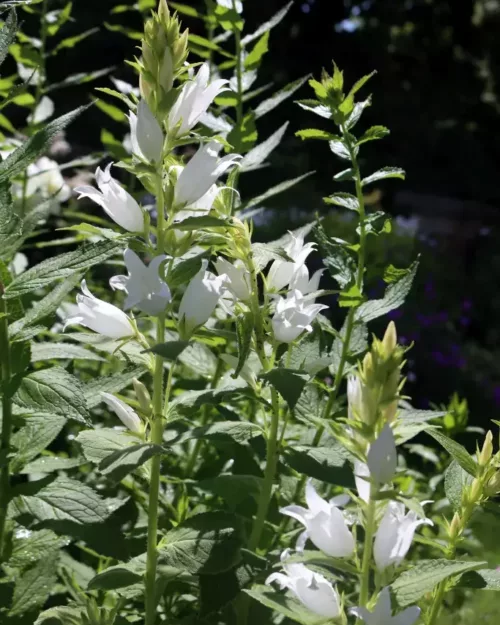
pixel 438 62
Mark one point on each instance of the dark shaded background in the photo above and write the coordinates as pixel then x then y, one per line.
pixel 438 63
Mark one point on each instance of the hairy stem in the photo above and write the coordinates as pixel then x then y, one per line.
pixel 6 418
pixel 156 437
pixel 239 100
pixel 364 577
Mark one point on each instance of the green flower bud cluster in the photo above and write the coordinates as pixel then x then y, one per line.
pixel 164 52
pixel 95 615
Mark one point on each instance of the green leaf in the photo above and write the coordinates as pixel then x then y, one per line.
pixel 279 188
pixel 61 351
pixel 34 586
pixel 205 221
pixel 456 451
pixel 67 500
pixel 71 42
pixel 346 200
pixel 10 224
pixel 62 266
pixel 346 175
pixel 254 57
pixel 225 432
pixel 258 155
pixel 313 106
pixel 320 559
pixel 455 478
pixel 244 329
pixel 62 16
pixel 310 406
pixel 382 174
pixel 314 133
pixel 113 578
pixel 264 253
pixel 128 32
pixel 207 543
pixel 35 146
pixel 111 111
pixel 30 546
pixel 53 391
pixel 60 616
pixel 336 257
pixel 374 133
pixel 184 270
pixel 170 350
pixel 8 34
pixel 228 18
pixel 485 579
pixel 51 464
pixel 191 401
pixel 123 461
pixel 411 422
pixel 101 443
pixel 394 297
pixel 425 575
pixel 185 9
pixel 328 464
pixel 37 434
pixel 284 604
pixel 288 383
pixel 355 116
pixel 233 489
pixel 267 26
pixel 243 137
pixel 199 359
pixel 110 384
pixel 280 96
pixel 351 297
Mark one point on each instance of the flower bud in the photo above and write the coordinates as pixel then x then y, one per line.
pixel 143 396
pixel 475 490
pixel 487 450
pixel 382 457
pixel 493 486
pixel 390 339
pixel 455 526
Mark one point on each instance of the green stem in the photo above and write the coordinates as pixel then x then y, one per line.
pixel 239 102
pixel 269 474
pixel 364 578
pixel 6 418
pixel 156 438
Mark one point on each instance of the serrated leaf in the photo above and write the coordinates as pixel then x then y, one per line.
pixel 315 133
pixel 336 258
pixel 267 26
pixel 258 155
pixel 374 133
pixel 394 297
pixel 67 500
pixel 191 401
pixel 233 489
pixel 30 546
pixel 244 329
pixel 455 478
pixel 8 34
pixel 113 578
pixel 284 604
pixel 52 464
pixel 61 351
pixel 279 188
pixel 288 383
pixel 339 148
pixel 456 451
pixel 123 461
pixel 205 221
pixel 254 57
pixel 170 350
pixel 200 359
pixel 313 106
pixel 346 200
pixel 53 391
pixel 350 297
pixel 60 616
pixel 101 443
pixel 426 575
pixel 328 464
pixel 225 432
pixel 264 253
pixel 184 270
pixel 35 146
pixel 357 111
pixel 358 344
pixel 382 174
pixel 34 585
pixel 37 434
pixel 280 96
pixel 207 543
pixel 484 579
pixel 10 224
pixel 110 384
pixel 61 267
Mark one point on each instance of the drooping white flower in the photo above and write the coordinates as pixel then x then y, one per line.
pixel 117 203
pixel 293 315
pixel 124 412
pixel 301 281
pixel 193 101
pixel 124 87
pixel 249 371
pixel 201 173
pixel 283 271
pixel 18 264
pixel 45 178
pixel 325 525
pixel 382 458
pixel 313 590
pixel 144 287
pixel 200 299
pixel 101 317
pixel 395 534
pixel 382 614
pixel 146 134
pixel 361 471
pixel 238 278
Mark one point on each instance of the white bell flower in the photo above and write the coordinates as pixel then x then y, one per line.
pixel 313 590
pixel 382 614
pixel 101 317
pixel 45 177
pixel 382 458
pixel 325 525
pixel 193 101
pixel 395 535
pixel 301 281
pixel 124 412
pixel 146 134
pixel 144 287
pixel 362 402
pixel 201 173
pixel 200 299
pixel 282 272
pixel 117 203
pixel 238 278
pixel 293 315
pixel 362 479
